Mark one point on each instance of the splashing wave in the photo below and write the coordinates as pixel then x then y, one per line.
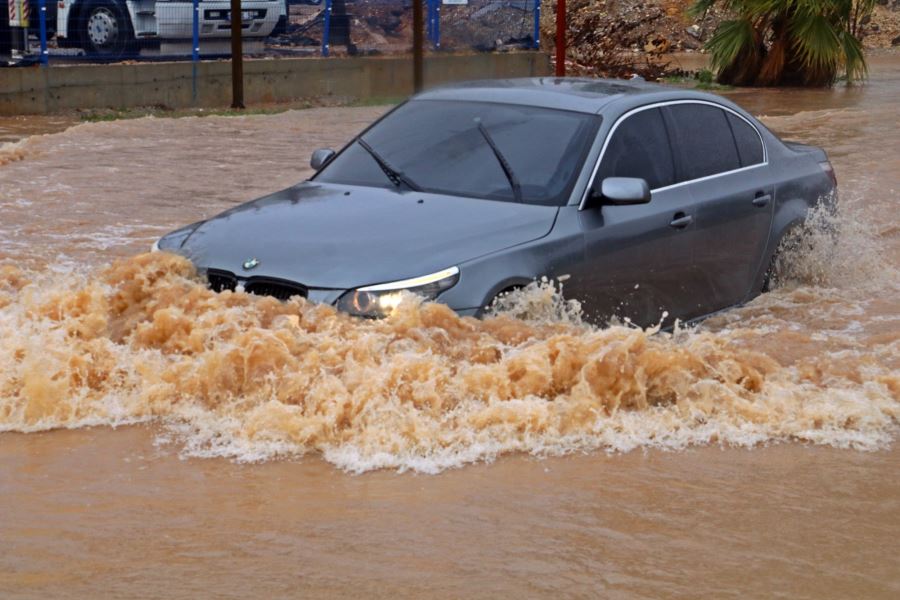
pixel 251 378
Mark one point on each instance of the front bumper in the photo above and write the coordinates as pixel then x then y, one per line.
pixel 174 20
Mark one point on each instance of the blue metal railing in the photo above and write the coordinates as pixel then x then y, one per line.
pixel 433 28
pixel 326 28
pixel 45 54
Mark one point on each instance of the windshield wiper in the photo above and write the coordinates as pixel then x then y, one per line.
pixel 507 170
pixel 396 177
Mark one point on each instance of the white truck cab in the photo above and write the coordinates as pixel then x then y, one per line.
pixel 111 28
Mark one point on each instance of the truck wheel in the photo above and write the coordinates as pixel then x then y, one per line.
pixel 105 29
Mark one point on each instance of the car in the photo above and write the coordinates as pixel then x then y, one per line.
pixel 651 202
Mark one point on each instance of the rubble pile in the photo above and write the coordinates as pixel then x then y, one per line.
pixel 488 25
pixel 882 30
pixel 385 26
pixel 619 38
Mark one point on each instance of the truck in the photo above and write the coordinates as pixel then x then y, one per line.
pixel 118 28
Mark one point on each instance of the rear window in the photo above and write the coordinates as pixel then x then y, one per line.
pixel 639 147
pixel 747 139
pixel 703 140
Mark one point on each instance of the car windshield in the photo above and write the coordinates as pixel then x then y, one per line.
pixel 477 149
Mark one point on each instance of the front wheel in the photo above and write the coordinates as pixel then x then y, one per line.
pixel 105 29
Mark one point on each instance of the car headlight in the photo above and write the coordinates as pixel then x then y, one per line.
pixel 376 301
pixel 175 240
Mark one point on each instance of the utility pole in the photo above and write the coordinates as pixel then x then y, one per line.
pixel 237 55
pixel 560 38
pixel 418 43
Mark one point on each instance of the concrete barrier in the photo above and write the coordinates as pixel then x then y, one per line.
pixel 36 90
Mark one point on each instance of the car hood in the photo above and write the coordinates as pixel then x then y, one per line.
pixel 340 237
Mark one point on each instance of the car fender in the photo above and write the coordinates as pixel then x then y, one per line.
pixel 507 285
pixel 478 282
pixel 550 256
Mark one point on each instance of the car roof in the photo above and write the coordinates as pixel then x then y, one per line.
pixel 564 93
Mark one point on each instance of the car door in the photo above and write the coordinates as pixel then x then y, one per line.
pixel 638 260
pixel 721 160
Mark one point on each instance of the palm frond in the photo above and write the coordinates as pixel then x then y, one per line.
pixel 817 43
pixel 760 8
pixel 777 42
pixel 731 40
pixel 854 60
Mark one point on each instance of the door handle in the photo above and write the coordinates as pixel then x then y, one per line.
pixel 681 220
pixel 762 200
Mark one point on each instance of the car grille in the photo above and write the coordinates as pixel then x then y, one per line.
pixel 219 281
pixel 281 289
pixel 277 288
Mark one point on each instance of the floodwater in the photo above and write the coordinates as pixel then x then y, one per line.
pixel 159 440
pixel 13 129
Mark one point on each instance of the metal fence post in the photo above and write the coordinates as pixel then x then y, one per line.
pixel 326 28
pixel 418 47
pixel 437 24
pixel 237 55
pixel 560 38
pixel 195 49
pixel 434 18
pixel 537 25
pixel 195 32
pixel 45 55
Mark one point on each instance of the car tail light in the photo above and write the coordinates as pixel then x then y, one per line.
pixel 829 170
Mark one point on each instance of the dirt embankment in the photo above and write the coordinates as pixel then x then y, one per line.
pixel 605 37
pixel 622 37
pixel 883 29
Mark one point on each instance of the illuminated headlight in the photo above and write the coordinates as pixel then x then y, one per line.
pixel 380 300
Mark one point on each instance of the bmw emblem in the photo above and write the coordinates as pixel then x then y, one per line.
pixel 251 263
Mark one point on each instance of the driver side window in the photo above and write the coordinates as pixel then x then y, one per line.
pixel 640 147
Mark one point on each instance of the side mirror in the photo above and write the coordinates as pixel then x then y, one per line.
pixel 320 157
pixel 620 191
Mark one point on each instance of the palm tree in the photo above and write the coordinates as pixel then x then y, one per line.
pixel 788 42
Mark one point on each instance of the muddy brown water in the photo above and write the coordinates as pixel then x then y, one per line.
pixel 157 440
